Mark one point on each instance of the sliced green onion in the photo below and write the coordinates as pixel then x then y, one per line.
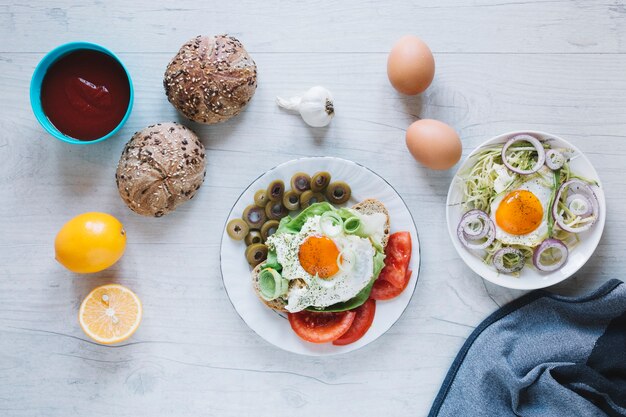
pixel 284 286
pixel 271 284
pixel 352 225
pixel 346 260
pixel 331 223
pixel 555 188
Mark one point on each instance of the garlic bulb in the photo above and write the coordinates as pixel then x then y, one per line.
pixel 315 106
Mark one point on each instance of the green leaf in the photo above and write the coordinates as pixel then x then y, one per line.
pixel 272 261
pixel 345 213
pixel 293 225
pixel 379 263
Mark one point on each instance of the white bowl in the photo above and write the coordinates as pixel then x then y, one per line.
pixel 272 326
pixel 529 278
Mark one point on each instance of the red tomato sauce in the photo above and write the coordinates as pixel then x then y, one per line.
pixel 85 94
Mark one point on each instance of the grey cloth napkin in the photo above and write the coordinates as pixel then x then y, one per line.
pixel 543 355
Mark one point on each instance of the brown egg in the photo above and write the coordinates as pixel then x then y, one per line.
pixel 434 144
pixel 410 66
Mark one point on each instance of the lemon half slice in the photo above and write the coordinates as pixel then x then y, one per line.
pixel 110 314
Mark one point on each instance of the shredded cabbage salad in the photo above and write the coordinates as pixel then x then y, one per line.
pixel 489 178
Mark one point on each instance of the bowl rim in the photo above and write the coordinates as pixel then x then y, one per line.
pixel 37 79
pixel 464 253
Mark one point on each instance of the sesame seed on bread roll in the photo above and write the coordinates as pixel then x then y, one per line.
pixel 161 167
pixel 210 79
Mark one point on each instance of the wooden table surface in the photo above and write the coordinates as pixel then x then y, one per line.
pixel 556 66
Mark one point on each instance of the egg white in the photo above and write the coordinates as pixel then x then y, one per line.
pixel 319 292
pixel 539 185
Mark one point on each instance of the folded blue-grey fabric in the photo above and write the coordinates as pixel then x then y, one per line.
pixel 543 355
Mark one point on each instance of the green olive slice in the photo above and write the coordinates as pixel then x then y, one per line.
pixel 309 198
pixel 260 198
pixel 275 210
pixel 291 200
pixel 254 237
pixel 237 229
pixel 254 216
pixel 256 253
pixel 320 181
pixel 338 192
pixel 269 228
pixel 275 190
pixel 300 182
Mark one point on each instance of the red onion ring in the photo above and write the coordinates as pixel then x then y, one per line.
pixel 487 231
pixel 555 159
pixel 578 197
pixel 547 245
pixel 541 153
pixel 470 218
pixel 582 190
pixel 498 260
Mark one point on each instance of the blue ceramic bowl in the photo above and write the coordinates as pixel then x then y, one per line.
pixel 40 72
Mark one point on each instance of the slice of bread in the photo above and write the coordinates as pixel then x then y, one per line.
pixel 369 206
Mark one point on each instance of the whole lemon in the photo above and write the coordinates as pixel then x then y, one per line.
pixel 90 242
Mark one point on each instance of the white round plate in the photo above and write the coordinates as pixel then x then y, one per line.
pixel 529 278
pixel 274 327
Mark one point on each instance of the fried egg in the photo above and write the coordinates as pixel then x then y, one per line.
pixel 315 259
pixel 521 215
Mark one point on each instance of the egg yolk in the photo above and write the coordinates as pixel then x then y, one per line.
pixel 318 256
pixel 519 213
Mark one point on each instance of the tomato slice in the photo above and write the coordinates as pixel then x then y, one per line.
pixel 398 256
pixel 361 324
pixel 399 247
pixel 385 290
pixel 393 274
pixel 320 327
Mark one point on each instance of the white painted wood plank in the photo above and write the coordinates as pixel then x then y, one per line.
pixel 192 354
pixel 527 26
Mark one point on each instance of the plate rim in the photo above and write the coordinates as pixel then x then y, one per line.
pixel 494 139
pixel 417 273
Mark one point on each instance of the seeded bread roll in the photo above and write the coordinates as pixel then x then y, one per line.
pixel 161 167
pixel 211 79
pixel 369 206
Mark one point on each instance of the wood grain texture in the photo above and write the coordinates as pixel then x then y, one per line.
pixel 557 66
